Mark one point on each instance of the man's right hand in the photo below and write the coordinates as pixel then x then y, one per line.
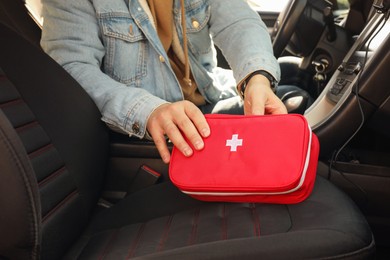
pixel 177 120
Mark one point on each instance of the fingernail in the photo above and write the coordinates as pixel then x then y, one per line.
pixel 187 152
pixel 205 132
pixel 199 145
pixel 165 158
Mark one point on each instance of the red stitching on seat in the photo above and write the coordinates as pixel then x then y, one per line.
pixel 26 126
pixel 40 150
pixel 60 205
pixel 194 231
pixel 164 237
pixel 256 221
pixel 109 244
pixel 224 223
pixel 51 176
pixel 12 102
pixel 134 245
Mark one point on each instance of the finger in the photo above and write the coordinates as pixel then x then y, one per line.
pixel 255 98
pixel 186 125
pixel 189 130
pixel 161 144
pixel 275 106
pixel 177 138
pixel 257 107
pixel 198 119
pixel 260 101
pixel 254 105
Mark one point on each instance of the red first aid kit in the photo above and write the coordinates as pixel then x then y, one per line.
pixel 266 159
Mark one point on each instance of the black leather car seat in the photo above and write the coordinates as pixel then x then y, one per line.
pixel 15 14
pixel 54 152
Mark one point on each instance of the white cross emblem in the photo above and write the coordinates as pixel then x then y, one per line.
pixel 234 142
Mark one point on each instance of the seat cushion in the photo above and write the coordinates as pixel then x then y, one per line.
pixel 162 223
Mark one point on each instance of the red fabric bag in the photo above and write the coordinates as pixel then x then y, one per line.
pixel 267 159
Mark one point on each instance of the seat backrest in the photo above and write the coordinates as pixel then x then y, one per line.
pixel 15 14
pixel 358 14
pixel 65 145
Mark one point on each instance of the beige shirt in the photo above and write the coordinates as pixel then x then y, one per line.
pixel 161 11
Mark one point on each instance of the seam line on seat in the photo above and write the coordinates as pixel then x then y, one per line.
pixel 256 221
pixel 53 175
pixel 134 245
pixel 109 244
pixel 291 222
pixel 16 101
pixel 164 237
pixel 60 205
pixel 34 224
pixel 224 222
pixel 29 125
pixel 40 150
pixel 194 231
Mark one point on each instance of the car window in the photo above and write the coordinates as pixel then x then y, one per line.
pixel 34 7
pixel 268 5
pixel 278 5
pixel 343 4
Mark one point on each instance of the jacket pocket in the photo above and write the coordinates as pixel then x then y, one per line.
pixel 197 18
pixel 125 43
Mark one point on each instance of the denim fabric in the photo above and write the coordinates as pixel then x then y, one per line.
pixel 112 49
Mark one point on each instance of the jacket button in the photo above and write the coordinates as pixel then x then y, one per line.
pixel 135 127
pixel 161 58
pixel 131 31
pixel 195 24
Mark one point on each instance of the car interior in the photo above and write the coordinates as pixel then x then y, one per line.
pixel 70 188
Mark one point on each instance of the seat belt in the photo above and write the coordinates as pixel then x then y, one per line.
pixel 144 178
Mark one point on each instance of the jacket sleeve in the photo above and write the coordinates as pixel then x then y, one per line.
pixel 242 37
pixel 72 37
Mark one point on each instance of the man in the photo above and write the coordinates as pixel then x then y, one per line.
pixel 150 65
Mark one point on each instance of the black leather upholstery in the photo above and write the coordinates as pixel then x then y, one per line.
pixel 68 159
pixel 14 13
pixel 188 229
pixel 53 159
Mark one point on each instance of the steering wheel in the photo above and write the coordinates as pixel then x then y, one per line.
pixel 285 25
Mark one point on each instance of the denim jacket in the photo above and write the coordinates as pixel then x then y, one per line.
pixel 112 49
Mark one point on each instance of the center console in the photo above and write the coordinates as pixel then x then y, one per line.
pixel 354 91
